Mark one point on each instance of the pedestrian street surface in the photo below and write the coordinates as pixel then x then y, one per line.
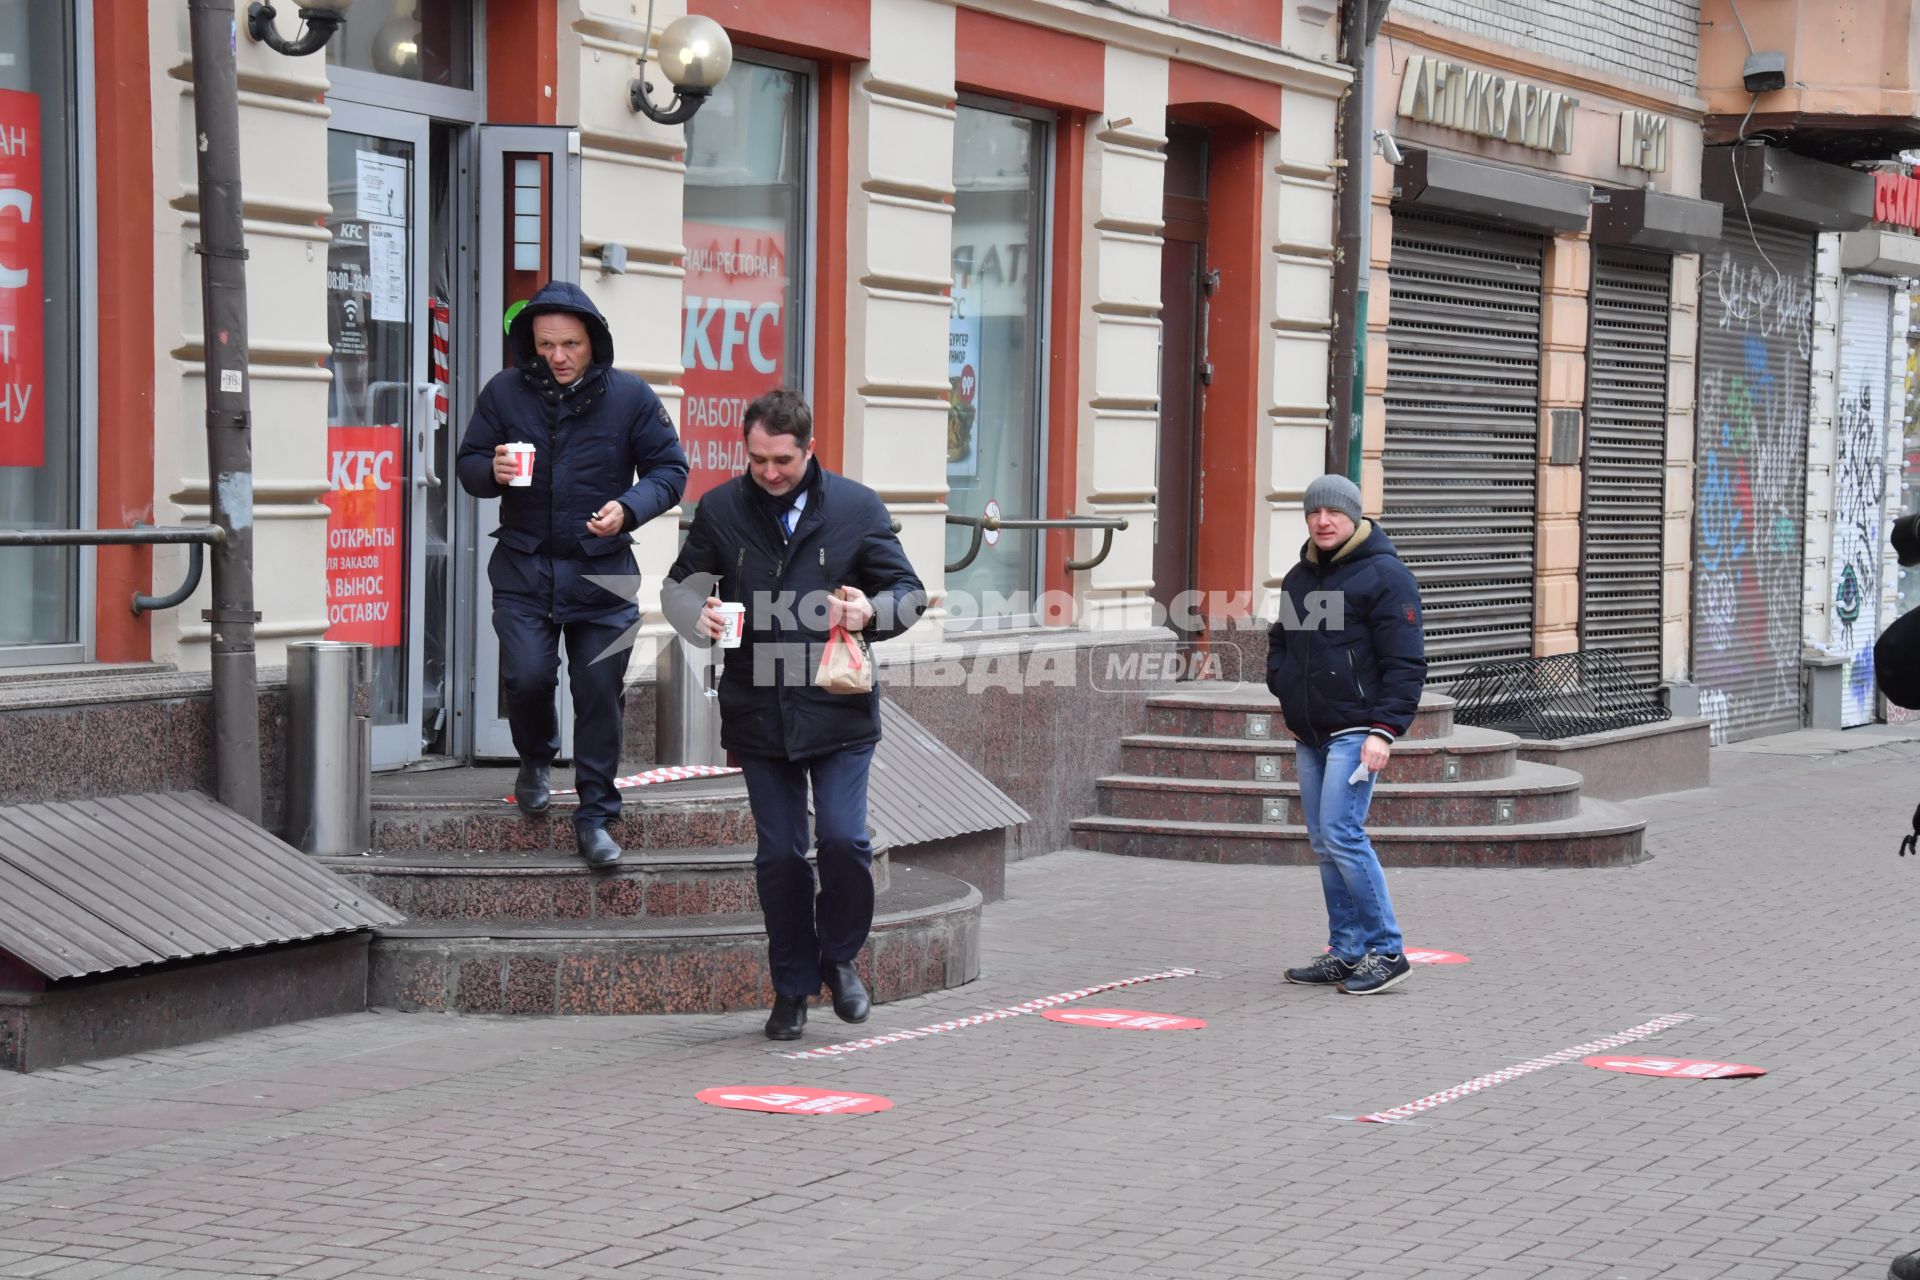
pixel 1774 928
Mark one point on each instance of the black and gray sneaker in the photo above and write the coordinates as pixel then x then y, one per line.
pixel 1375 973
pixel 1322 971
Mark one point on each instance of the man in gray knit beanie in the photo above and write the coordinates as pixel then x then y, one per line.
pixel 1348 687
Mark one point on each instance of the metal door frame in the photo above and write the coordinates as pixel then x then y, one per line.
pixel 492 739
pixel 396 745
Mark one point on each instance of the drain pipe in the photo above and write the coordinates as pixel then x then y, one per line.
pixel 223 293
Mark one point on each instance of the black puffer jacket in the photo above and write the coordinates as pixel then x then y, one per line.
pixel 590 440
pixel 1366 672
pixel 768 703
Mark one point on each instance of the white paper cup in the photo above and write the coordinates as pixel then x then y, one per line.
pixel 733 625
pixel 522 455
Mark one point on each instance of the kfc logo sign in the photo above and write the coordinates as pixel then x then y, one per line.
pixel 23 441
pixel 733 342
pixel 364 469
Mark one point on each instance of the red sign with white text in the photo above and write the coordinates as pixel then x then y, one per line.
pixel 1673 1068
pixel 1123 1019
pixel 733 342
pixel 1896 199
pixel 23 326
pixel 794 1100
pixel 366 568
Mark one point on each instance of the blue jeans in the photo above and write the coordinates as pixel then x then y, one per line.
pixel 804 929
pixel 1359 913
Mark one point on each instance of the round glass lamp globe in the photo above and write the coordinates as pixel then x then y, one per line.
pixel 695 53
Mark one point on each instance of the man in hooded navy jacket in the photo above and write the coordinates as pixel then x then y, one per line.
pixel 593 429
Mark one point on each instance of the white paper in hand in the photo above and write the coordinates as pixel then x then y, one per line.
pixel 1359 775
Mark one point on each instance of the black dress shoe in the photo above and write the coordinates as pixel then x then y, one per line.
pixel 597 847
pixel 530 789
pixel 849 993
pixel 788 1017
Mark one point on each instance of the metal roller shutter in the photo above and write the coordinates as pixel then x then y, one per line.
pixel 1624 508
pixel 1463 410
pixel 1756 331
pixel 1860 490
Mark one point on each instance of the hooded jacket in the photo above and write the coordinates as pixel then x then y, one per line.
pixel 591 438
pixel 735 550
pixel 1348 652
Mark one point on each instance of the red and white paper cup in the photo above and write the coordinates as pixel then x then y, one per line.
pixel 522 455
pixel 733 624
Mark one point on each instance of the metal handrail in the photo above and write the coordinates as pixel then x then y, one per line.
pixel 196 538
pixel 984 524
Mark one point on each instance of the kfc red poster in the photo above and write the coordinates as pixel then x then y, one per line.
pixel 366 571
pixel 733 342
pixel 23 417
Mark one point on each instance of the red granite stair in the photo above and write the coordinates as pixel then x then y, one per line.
pixel 1213 781
pixel 504 917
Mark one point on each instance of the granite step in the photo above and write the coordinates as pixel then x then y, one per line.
pixel 1530 793
pixel 1600 834
pixel 1464 754
pixel 926 937
pixel 552 886
pixel 697 813
pixel 1248 711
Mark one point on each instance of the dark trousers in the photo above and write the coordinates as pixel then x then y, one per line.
pixel 530 670
pixel 805 929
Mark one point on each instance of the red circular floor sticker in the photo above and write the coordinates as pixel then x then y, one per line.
pixel 1123 1019
pixel 1674 1068
pixel 793 1100
pixel 1418 956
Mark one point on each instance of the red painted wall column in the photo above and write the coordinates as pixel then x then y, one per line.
pixel 123 129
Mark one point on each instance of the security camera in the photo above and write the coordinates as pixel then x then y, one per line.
pixel 1389 149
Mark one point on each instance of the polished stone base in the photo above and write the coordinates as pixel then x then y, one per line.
pixel 138 1010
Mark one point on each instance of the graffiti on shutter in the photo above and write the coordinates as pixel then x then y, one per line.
pixel 1756 330
pixel 1859 490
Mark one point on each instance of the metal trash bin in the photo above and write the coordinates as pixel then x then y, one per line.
pixel 687 714
pixel 330 747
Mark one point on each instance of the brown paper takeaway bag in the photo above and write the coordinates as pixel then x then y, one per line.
pixel 845 664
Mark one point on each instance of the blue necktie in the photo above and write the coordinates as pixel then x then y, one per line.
pixel 787 519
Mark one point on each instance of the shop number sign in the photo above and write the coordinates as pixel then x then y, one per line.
pixel 23 417
pixel 365 571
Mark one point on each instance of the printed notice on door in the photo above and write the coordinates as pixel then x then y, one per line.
pixel 366 572
pixel 386 272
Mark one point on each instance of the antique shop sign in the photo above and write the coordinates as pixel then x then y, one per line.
pixel 1492 106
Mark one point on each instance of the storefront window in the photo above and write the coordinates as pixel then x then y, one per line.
pixel 430 41
pixel 993 358
pixel 742 332
pixel 40 427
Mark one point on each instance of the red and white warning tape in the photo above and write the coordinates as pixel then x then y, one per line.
pixel 1395 1114
pixel 667 773
pixel 974 1020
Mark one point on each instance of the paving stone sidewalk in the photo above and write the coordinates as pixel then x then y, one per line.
pixel 1774 911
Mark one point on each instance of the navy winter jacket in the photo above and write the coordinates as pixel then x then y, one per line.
pixel 768 703
pixel 590 439
pixel 1366 672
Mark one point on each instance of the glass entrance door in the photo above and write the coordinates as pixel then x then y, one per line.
pixel 529 234
pixel 379 411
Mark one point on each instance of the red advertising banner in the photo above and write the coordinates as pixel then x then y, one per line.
pixel 733 342
pixel 366 574
pixel 23 326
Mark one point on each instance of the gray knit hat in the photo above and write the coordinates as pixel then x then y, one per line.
pixel 1335 493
